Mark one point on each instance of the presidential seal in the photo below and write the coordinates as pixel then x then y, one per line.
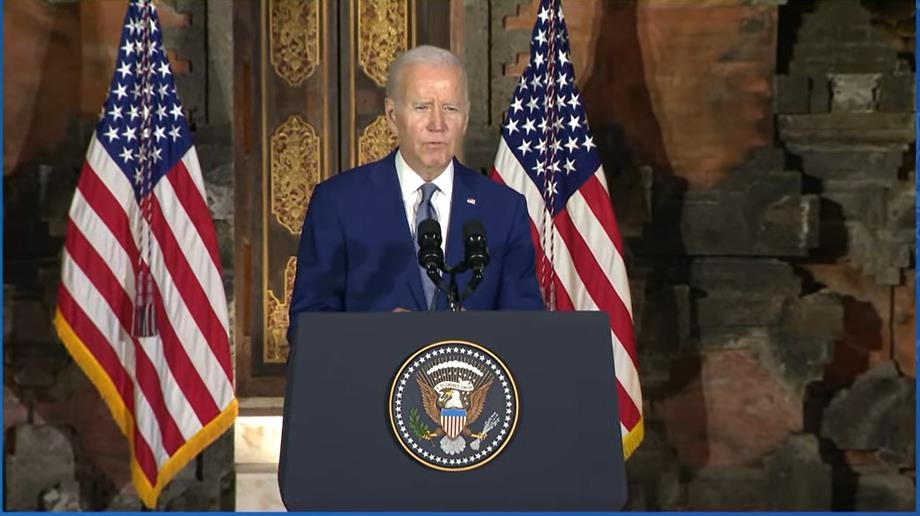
pixel 453 405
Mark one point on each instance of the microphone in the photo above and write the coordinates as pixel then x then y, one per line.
pixel 431 257
pixel 474 243
pixel 430 254
pixel 476 254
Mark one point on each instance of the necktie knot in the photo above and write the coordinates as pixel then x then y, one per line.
pixel 425 208
pixel 428 189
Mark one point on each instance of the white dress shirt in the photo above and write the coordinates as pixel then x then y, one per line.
pixel 410 183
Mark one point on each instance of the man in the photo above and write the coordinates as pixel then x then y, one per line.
pixel 357 248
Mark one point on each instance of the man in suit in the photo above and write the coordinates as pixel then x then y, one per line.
pixel 357 248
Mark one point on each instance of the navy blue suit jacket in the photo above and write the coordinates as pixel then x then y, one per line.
pixel 357 252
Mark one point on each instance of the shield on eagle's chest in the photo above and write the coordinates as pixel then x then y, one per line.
pixel 453 421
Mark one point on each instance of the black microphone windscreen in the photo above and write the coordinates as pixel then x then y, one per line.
pixel 473 228
pixel 427 227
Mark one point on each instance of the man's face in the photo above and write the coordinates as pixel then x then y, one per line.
pixel 429 116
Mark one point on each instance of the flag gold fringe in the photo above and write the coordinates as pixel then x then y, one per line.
pixel 147 492
pixel 632 440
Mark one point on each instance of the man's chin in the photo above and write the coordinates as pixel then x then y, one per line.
pixel 437 164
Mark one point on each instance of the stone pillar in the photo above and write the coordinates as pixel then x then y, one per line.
pixel 846 112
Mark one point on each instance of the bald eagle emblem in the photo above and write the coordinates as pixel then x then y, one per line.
pixel 453 405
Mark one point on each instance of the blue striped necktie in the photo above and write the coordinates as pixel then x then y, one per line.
pixel 424 211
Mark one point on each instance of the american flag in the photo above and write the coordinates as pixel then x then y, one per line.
pixel 141 305
pixel 547 154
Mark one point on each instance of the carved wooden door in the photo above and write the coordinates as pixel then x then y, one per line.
pixel 309 80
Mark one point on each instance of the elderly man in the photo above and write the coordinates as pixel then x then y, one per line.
pixel 358 245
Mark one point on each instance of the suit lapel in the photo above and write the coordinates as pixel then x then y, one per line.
pixel 394 213
pixel 460 212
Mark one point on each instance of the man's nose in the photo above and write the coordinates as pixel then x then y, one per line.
pixel 436 121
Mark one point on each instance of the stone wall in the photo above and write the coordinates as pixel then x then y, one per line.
pixel 63 450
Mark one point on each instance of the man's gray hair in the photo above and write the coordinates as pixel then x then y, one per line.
pixel 424 54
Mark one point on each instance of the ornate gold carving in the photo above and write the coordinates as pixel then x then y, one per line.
pixel 276 345
pixel 376 141
pixel 382 33
pixel 294 171
pixel 294 32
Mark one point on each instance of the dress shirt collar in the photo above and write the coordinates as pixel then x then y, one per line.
pixel 410 181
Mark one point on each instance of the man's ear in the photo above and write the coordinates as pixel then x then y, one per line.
pixel 389 108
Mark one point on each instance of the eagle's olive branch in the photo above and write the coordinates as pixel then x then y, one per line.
pixel 415 424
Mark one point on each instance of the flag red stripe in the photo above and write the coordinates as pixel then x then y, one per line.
pixel 108 208
pixel 494 175
pixel 143 455
pixel 597 198
pixel 595 281
pixel 629 413
pixel 187 376
pixel 190 289
pixel 196 208
pixel 563 300
pixel 99 274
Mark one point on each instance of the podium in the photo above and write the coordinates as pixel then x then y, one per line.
pixel 340 448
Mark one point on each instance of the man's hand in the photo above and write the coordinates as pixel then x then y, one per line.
pixel 400 309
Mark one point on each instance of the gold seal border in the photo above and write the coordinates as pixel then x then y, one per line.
pixel 517 405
